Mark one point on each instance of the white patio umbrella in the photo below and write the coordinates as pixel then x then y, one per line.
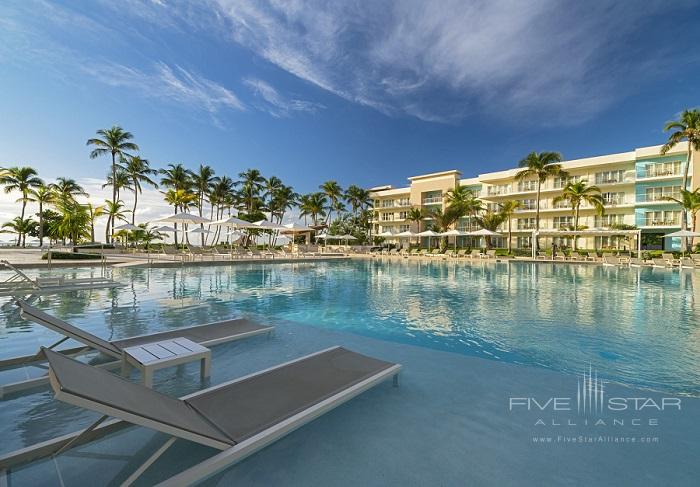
pixel 202 231
pixel 407 234
pixel 428 233
pixel 386 234
pixel 347 237
pixel 268 225
pixel 453 233
pixel 184 218
pixel 234 222
pixel 683 234
pixel 484 233
pixel 128 227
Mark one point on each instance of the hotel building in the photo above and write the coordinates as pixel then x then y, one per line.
pixel 633 185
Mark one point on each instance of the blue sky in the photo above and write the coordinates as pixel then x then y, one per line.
pixel 361 92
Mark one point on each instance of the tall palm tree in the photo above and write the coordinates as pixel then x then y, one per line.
pixel 94 212
pixel 21 227
pixel 540 165
pixel 314 206
pixel 689 202
pixel 357 197
pixel 490 220
pixel 580 192
pixel 283 198
pixel 116 142
pixel 202 182
pixel 334 193
pixel 23 179
pixel 251 184
pixel 139 171
pixel 687 127
pixel 115 211
pixel 415 215
pixel 176 176
pixel 508 209
pixel 42 195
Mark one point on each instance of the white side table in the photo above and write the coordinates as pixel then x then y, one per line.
pixel 150 357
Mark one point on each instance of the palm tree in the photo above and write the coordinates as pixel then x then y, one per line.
pixel 138 170
pixel 22 179
pixel 508 209
pixel 690 202
pixel 687 127
pixel 94 212
pixel 313 205
pixel 415 215
pixel 41 195
pixel 283 198
pixel 540 165
pixel 175 176
pixel 251 183
pixel 115 211
pixel 116 142
pixel 334 193
pixel 357 197
pixel 21 227
pixel 580 192
pixel 67 189
pixel 75 220
pixel 490 221
pixel 202 182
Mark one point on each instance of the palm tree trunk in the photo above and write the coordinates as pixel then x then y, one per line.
pixel 41 224
pixel 510 238
pixel 136 199
pixel 114 189
pixel 684 214
pixel 576 212
pixel 175 227
pixel 537 217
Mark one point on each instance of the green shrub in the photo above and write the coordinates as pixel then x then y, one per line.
pixel 94 245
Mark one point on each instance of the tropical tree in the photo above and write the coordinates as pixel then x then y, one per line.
pixel 689 202
pixel 23 179
pixel 576 194
pixel 21 227
pixel 67 189
pixel 358 198
pixel 508 209
pixel 416 215
pixel 687 128
pixel 115 211
pixel 42 195
pixel 490 220
pixel 117 143
pixel 176 177
pixel 139 172
pixel 314 206
pixel 251 184
pixel 75 221
pixel 202 183
pixel 123 181
pixel 283 198
pixel 540 165
pixel 334 193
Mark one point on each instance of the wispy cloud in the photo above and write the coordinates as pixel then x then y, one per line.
pixel 276 104
pixel 558 61
pixel 170 83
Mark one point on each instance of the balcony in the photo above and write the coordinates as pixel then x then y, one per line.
pixel 661 222
pixel 660 172
pixel 627 177
pixel 432 200
pixel 496 191
pixel 655 198
pixel 526 227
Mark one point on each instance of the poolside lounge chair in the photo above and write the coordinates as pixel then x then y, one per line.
pixel 461 253
pixel 670 259
pixel 609 260
pixel 19 283
pixel 238 417
pixel 661 263
pixel 541 256
pixel 636 262
pixel 592 257
pixel 575 256
pixel 490 254
pixel 207 335
pixel 688 263
pixel 476 254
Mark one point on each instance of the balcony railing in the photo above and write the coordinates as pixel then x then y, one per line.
pixel 526 227
pixel 432 200
pixel 649 198
pixel 659 172
pixel 498 191
pixel 661 222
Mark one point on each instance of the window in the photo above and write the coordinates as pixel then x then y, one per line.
pixel 662 218
pixel 610 177
pixel 608 220
pixel 498 189
pixel 562 222
pixel 530 185
pixel 403 215
pixel 656 169
pixel 404 228
pixel 403 202
pixel 659 193
pixel 560 182
pixel 610 199
pixel 524 242
pixel 432 197
pixel 526 223
pixel 387 217
pixel 387 203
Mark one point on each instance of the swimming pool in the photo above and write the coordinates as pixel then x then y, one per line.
pixel 639 327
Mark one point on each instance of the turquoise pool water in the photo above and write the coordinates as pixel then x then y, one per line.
pixel 639 327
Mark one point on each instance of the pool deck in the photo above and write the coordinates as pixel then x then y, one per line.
pixel 447 424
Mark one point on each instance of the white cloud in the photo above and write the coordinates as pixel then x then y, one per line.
pixel 441 61
pixel 274 103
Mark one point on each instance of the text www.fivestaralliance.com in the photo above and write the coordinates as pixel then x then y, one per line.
pixel 575 440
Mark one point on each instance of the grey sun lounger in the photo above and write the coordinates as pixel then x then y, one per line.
pixel 237 417
pixel 21 283
pixel 207 335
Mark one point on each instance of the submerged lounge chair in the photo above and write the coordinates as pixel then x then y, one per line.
pixel 206 335
pixel 237 417
pixel 20 282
